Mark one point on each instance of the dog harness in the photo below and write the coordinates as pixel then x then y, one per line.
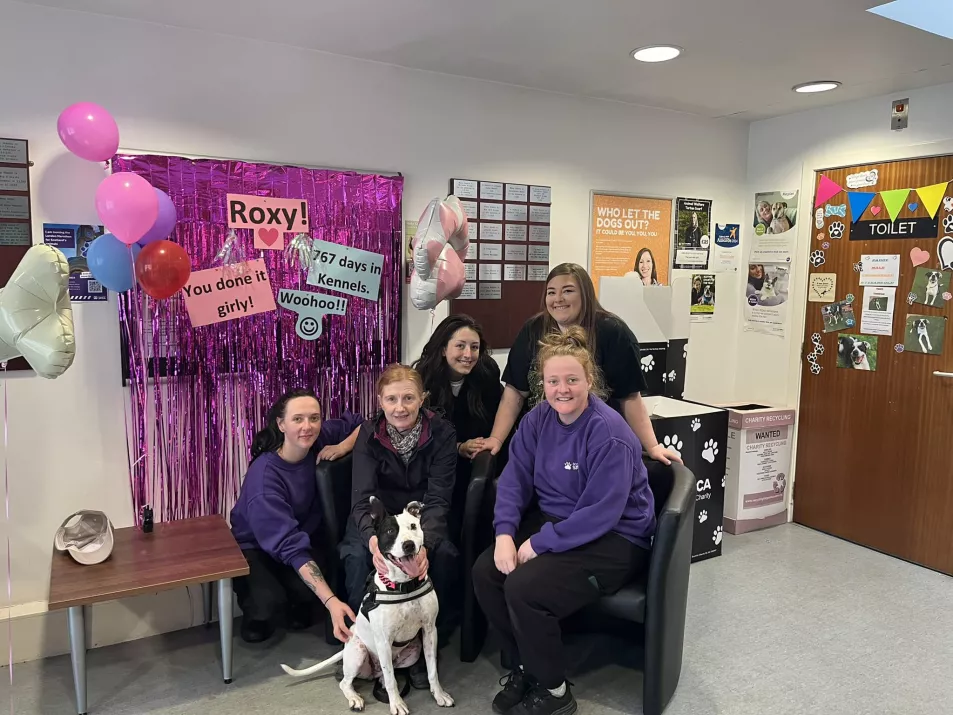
pixel 393 594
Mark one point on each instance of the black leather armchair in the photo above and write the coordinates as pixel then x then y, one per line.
pixel 334 491
pixel 658 601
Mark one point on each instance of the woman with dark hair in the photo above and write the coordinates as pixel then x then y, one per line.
pixel 276 518
pixel 462 381
pixel 645 267
pixel 570 299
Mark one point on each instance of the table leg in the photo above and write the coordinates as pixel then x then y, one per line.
pixel 77 648
pixel 225 622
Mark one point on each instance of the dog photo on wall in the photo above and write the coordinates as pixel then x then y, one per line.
pixel 929 285
pixel 857 352
pixel 838 316
pixel 924 334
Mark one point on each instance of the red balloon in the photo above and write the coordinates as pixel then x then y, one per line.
pixel 162 268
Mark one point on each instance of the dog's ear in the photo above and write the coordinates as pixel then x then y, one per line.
pixel 414 509
pixel 378 511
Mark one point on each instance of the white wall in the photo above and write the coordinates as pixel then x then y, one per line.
pixel 784 153
pixel 176 91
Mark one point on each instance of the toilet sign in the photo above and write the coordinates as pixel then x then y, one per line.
pixel 268 217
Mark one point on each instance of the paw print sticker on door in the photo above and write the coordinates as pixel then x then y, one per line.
pixel 648 363
pixel 836 230
pixel 948 224
pixel 817 258
pixel 710 451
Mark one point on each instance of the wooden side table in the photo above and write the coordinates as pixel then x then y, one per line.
pixel 176 554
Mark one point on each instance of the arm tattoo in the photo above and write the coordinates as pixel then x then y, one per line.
pixel 311 568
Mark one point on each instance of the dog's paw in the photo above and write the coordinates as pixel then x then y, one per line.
pixel 836 230
pixel 696 424
pixel 356 703
pixel 399 707
pixel 648 363
pixel 703 517
pixel 443 698
pixel 716 537
pixel 710 451
pixel 817 258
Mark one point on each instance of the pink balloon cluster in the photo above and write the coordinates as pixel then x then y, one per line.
pixel 439 249
pixel 131 209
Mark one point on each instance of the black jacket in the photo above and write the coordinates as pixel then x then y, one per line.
pixel 379 471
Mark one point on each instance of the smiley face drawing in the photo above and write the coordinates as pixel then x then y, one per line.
pixel 309 328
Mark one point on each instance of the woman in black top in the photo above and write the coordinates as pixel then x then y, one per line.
pixel 570 299
pixel 462 381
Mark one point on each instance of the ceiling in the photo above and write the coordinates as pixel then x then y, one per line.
pixel 742 56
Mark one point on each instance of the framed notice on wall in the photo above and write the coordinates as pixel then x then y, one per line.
pixel 508 261
pixel 630 233
pixel 16 235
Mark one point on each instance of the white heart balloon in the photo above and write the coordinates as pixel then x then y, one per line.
pixel 36 318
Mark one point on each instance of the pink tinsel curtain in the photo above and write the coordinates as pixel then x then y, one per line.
pixel 197 395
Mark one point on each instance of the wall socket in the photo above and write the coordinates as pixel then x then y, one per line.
pixel 900 116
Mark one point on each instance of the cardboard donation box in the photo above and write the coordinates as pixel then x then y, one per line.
pixel 659 316
pixel 759 467
pixel 698 434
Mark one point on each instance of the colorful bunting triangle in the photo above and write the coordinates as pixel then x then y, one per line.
pixel 859 201
pixel 826 189
pixel 894 200
pixel 932 196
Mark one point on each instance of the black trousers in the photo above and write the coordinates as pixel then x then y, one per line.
pixel 269 588
pixel 444 568
pixel 526 606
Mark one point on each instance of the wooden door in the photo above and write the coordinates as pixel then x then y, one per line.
pixel 875 448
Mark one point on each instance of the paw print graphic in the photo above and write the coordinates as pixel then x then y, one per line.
pixel 703 517
pixel 817 258
pixel 815 369
pixel 671 377
pixel 948 203
pixel 664 377
pixel 899 347
pixel 696 424
pixel 911 298
pixel 724 478
pixel 826 245
pixel 948 224
pixel 948 296
pixel 849 298
pixel 816 338
pixel 685 352
pixel 710 451
pixel 717 536
pixel 648 363
pixel 673 443
pixel 836 230
pixel 818 349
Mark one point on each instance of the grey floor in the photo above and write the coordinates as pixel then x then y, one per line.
pixel 787 621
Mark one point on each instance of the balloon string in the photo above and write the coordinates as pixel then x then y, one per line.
pixel 6 495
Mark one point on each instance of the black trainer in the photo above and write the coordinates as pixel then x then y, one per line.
pixel 539 701
pixel 256 631
pixel 418 674
pixel 515 686
pixel 380 692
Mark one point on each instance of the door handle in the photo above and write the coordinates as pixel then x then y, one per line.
pixel 937 373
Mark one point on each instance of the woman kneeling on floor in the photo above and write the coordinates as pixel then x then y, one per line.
pixel 277 516
pixel 590 537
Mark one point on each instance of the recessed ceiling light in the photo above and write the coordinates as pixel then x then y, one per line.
pixel 657 53
pixel 812 87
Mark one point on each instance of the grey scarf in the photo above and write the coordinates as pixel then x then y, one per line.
pixel 405 442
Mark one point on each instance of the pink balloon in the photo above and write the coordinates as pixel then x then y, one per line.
pixel 89 131
pixel 451 274
pixel 127 205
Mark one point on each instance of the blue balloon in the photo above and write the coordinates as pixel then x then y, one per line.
pixel 110 262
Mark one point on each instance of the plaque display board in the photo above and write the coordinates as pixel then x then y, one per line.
pixel 16 234
pixel 508 261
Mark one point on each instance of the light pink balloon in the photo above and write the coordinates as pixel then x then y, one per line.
pixel 127 206
pixel 89 131
pixel 451 275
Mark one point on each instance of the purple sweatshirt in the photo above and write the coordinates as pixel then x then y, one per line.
pixel 588 474
pixel 277 510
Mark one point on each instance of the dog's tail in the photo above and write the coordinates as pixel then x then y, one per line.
pixel 314 668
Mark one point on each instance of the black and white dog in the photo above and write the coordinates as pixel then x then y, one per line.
pixel 919 327
pixel 395 609
pixel 932 288
pixel 833 313
pixel 853 352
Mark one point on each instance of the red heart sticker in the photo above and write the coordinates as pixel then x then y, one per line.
pixel 268 236
pixel 875 210
pixel 918 256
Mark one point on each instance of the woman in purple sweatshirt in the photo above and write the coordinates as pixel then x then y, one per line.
pixel 277 515
pixel 591 534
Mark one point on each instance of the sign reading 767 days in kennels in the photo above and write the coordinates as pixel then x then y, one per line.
pixel 346 269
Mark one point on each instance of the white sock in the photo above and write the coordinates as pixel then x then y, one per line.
pixel 560 691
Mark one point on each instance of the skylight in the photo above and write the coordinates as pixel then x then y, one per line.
pixel 929 15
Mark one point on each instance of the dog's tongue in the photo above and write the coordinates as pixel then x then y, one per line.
pixel 409 566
